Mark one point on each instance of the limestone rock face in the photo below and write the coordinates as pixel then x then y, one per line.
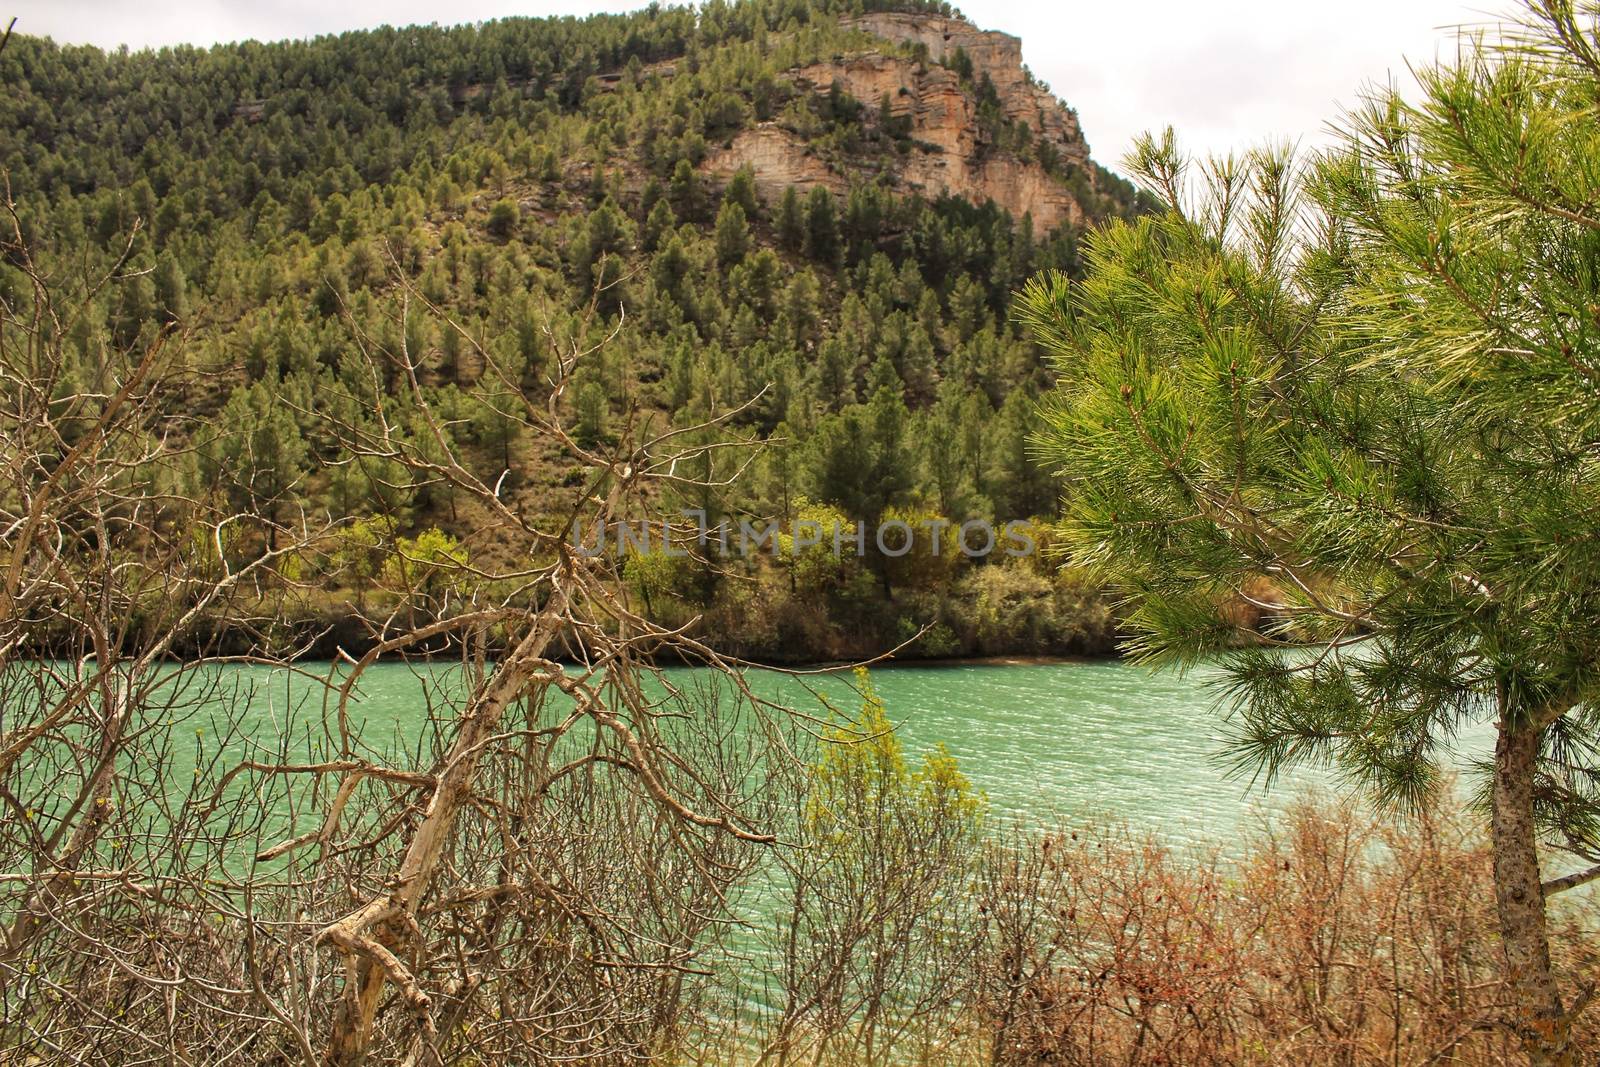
pixel 950 152
pixel 778 158
pixel 999 55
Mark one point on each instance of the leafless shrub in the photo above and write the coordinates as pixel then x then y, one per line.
pixel 1339 939
pixel 194 876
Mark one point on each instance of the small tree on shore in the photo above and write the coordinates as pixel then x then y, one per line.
pixel 1372 384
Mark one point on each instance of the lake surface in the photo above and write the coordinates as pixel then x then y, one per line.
pixel 1082 740
pixel 1076 740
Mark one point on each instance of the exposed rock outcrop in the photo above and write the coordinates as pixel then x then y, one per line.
pixel 998 55
pixel 778 158
pixel 951 150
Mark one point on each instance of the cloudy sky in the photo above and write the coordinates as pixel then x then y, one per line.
pixel 1226 73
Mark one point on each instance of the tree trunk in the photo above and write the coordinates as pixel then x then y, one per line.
pixel 374 937
pixel 1519 898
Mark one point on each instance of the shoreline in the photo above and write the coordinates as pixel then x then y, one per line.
pixel 1021 660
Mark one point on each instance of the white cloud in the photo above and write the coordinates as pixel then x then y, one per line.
pixel 1226 73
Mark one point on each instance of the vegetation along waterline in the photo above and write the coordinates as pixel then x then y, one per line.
pixel 326 736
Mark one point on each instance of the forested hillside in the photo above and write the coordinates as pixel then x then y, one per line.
pixel 478 200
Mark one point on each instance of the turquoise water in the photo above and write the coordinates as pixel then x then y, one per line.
pixel 1100 740
pixel 1075 740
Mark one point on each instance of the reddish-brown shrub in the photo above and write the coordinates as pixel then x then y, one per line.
pixel 1338 940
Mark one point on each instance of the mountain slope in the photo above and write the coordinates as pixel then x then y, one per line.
pixel 810 208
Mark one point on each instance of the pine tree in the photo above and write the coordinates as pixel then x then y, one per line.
pixel 684 191
pixel 775 481
pixel 660 222
pixel 504 218
pixel 742 191
pixel 1019 487
pixel 170 289
pixel 258 453
pixel 1373 392
pixel 822 226
pixel 732 235
pixel 791 221
pixel 496 429
pixel 590 425
pixel 670 272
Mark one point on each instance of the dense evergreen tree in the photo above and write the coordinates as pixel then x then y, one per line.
pixel 1365 402
pixel 732 235
pixel 257 453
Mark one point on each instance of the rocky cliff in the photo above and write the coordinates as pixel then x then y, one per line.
pixel 997 56
pixel 916 63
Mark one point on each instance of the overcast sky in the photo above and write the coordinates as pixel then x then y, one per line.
pixel 1226 73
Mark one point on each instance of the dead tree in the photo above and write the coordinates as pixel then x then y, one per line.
pixel 112 564
pixel 512 621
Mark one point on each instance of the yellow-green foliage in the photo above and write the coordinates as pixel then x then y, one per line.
pixel 889 870
pixel 431 562
pixel 921 567
pixel 363 548
pixel 808 548
pixel 862 771
pixel 658 577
